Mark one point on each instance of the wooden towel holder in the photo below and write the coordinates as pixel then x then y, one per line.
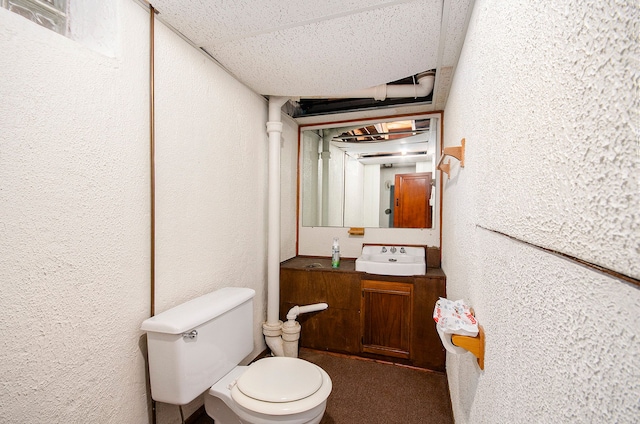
pixel 456 152
pixel 356 231
pixel 474 345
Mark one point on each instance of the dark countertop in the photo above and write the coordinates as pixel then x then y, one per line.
pixel 319 263
pixel 315 263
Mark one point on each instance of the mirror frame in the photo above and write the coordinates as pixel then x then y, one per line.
pixel 352 245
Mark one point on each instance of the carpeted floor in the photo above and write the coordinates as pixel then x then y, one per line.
pixel 369 392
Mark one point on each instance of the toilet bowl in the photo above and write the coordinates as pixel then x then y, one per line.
pixel 195 348
pixel 271 390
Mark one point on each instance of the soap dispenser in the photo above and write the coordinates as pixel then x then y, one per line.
pixel 335 254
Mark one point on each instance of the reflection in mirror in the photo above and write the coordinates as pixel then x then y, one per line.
pixel 376 174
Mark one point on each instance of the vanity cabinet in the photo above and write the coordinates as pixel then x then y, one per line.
pixel 375 316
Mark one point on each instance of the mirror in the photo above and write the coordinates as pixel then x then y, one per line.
pixel 375 174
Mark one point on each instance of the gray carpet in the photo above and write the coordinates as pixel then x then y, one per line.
pixel 369 392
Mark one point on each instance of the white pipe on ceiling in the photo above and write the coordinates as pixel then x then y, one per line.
pixel 389 91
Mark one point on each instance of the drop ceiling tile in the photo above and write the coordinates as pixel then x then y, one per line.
pixel 336 55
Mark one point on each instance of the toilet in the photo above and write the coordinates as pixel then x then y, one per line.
pixel 196 347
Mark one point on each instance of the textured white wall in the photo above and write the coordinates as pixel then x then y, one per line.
pixel 74 221
pixel 74 212
pixel 547 99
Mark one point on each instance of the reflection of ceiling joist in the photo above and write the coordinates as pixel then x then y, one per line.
pixel 416 143
pixel 403 142
pixel 395 142
pixel 384 131
pixel 378 136
pixel 396 160
pixel 407 150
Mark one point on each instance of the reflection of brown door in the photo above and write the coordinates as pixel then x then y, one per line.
pixel 411 206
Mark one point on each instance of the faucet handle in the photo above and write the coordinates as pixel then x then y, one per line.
pixel 402 250
pixel 383 250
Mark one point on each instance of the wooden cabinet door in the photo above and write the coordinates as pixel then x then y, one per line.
pixel 411 203
pixel 387 310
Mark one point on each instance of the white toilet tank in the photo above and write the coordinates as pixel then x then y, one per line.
pixel 193 345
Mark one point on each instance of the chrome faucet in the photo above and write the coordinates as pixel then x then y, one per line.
pixel 393 249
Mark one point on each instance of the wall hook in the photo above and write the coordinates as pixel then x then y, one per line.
pixel 456 152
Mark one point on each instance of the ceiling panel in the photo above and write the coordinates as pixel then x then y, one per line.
pixel 322 48
pixel 224 20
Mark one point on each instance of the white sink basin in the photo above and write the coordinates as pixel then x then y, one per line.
pixel 392 260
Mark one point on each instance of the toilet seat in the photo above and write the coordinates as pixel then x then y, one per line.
pixel 281 386
pixel 280 380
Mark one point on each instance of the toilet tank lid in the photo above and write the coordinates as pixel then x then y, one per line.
pixel 193 313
